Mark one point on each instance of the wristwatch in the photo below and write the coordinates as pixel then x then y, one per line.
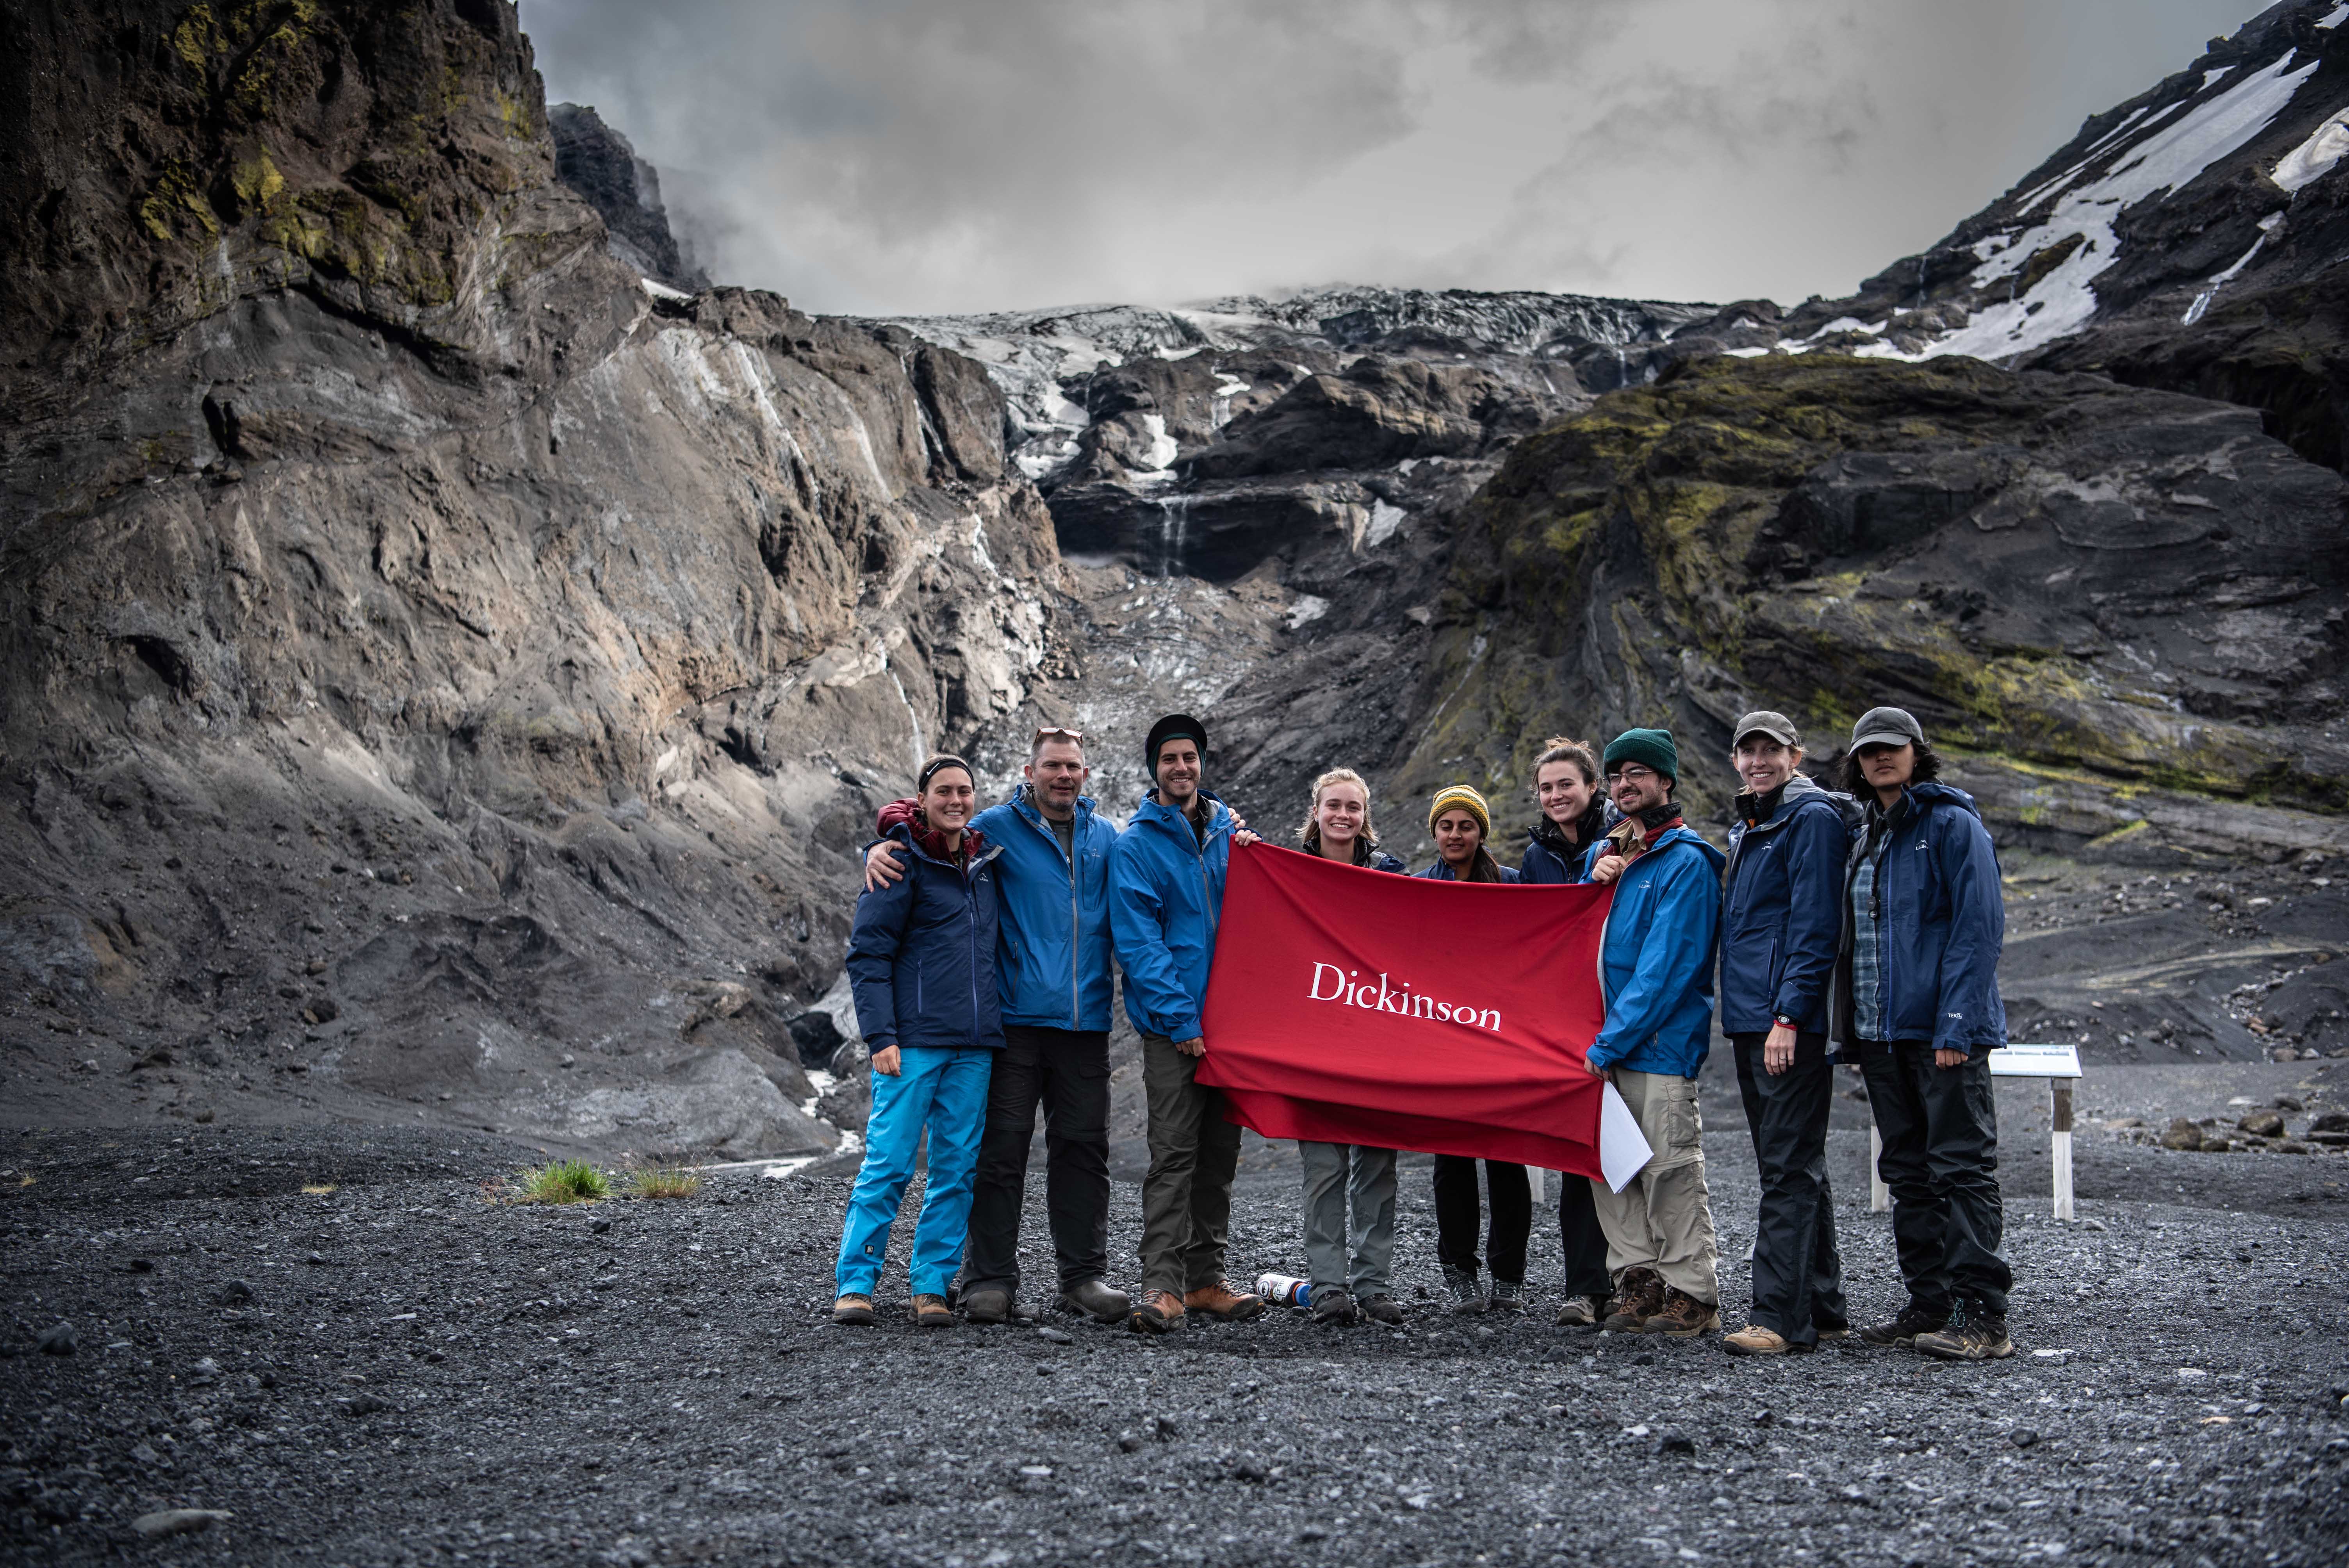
pixel 1783 1021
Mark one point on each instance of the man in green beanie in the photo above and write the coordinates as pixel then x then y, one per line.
pixel 1656 969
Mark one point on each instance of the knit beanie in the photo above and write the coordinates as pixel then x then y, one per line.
pixel 1652 749
pixel 1462 798
pixel 1174 726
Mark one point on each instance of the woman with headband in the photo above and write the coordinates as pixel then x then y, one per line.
pixel 921 966
pixel 1461 821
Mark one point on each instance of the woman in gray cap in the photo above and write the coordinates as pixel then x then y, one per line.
pixel 1781 927
pixel 1917 1005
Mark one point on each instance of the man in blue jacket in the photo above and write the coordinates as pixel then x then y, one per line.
pixel 1166 881
pixel 1916 1004
pixel 1782 920
pixel 1053 961
pixel 1656 969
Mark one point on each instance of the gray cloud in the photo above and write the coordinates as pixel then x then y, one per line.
pixel 921 155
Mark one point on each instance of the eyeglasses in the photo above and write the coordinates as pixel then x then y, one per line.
pixel 1056 732
pixel 1633 772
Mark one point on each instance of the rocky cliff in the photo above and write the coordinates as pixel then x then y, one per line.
pixel 437 669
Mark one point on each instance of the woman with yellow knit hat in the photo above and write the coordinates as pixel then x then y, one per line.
pixel 1461 821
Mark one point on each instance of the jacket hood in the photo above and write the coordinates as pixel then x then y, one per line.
pixel 902 820
pixel 1687 835
pixel 1802 788
pixel 1927 795
pixel 1590 825
pixel 1155 810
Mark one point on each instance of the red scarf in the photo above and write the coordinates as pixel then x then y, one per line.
pixel 932 842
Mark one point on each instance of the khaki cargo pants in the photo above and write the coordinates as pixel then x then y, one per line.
pixel 1662 1219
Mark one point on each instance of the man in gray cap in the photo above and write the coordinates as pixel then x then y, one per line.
pixel 1781 925
pixel 1916 1002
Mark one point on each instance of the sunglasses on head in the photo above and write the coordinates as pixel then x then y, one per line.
pixel 1056 732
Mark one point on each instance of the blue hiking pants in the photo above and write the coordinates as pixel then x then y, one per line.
pixel 944 1091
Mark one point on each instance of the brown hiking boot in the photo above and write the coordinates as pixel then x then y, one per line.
pixel 1638 1296
pixel 1755 1340
pixel 854 1310
pixel 932 1312
pixel 1158 1312
pixel 1684 1317
pixel 1220 1300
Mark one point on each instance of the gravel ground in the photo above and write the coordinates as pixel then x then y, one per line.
pixel 404 1370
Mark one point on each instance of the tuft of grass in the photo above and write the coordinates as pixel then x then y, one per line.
pixel 664 1181
pixel 316 1189
pixel 562 1181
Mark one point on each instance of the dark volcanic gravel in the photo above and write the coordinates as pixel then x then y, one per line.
pixel 404 1371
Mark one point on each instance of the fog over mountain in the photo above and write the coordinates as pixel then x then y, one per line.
pixel 948 157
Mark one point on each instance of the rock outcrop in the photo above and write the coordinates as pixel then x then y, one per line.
pixel 598 163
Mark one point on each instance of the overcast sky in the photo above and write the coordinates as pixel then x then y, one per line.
pixel 899 156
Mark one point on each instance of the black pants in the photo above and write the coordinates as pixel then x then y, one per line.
pixel 1939 1126
pixel 1458 1213
pixel 1584 1243
pixel 1797 1275
pixel 1067 1071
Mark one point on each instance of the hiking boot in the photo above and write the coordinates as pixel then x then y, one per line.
pixel 1096 1301
pixel 932 1312
pixel 1834 1328
pixel 854 1310
pixel 1903 1330
pixel 1334 1307
pixel 1383 1308
pixel 988 1305
pixel 1755 1340
pixel 1461 1289
pixel 1579 1312
pixel 1158 1312
pixel 1508 1294
pixel 1220 1300
pixel 1973 1335
pixel 1638 1296
pixel 1684 1317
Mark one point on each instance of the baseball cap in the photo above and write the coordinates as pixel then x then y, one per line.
pixel 1886 727
pixel 1762 721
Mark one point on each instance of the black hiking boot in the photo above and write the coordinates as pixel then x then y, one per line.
pixel 1974 1334
pixel 1903 1330
pixel 1462 1291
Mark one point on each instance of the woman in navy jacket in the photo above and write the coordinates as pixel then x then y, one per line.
pixel 921 967
pixel 1780 925
pixel 1916 1002
pixel 1573 816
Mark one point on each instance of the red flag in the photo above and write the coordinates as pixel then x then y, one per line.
pixel 1359 1007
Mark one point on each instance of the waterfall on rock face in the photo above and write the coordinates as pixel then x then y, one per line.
pixel 1173 533
pixel 912 717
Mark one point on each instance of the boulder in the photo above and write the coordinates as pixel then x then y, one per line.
pixel 2182 1134
pixel 2262 1124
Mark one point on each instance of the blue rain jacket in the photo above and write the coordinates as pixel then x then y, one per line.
pixel 1656 963
pixel 1166 895
pixel 1053 957
pixel 1943 920
pixel 921 956
pixel 1781 905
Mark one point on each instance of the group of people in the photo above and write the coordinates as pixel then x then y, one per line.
pixel 1860 925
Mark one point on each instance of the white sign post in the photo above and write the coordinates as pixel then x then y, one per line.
pixel 2059 1064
